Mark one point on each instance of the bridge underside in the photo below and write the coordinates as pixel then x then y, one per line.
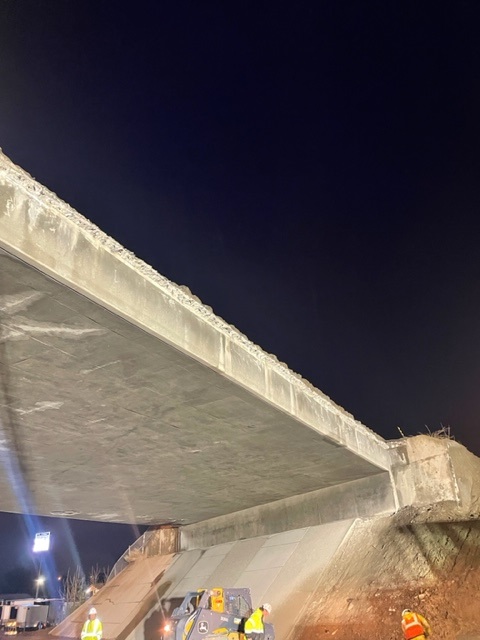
pixel 124 399
pixel 102 421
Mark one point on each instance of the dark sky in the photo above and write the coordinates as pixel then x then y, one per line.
pixel 310 170
pixel 72 543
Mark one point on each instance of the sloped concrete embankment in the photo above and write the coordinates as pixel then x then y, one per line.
pixel 281 568
pixel 346 578
pixel 123 602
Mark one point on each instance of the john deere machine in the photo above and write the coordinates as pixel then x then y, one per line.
pixel 212 614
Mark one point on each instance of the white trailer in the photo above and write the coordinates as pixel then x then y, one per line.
pixel 24 615
pixel 32 616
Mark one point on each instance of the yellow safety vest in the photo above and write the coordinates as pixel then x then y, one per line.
pixel 92 629
pixel 254 624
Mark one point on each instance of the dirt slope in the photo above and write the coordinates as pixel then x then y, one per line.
pixel 384 567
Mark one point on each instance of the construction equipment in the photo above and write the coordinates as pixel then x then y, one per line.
pixel 212 614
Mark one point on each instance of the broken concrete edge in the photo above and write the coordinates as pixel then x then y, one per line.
pixel 435 472
pixel 198 332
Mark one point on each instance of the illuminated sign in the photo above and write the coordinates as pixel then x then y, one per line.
pixel 41 542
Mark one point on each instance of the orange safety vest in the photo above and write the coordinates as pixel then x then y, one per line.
pixel 411 626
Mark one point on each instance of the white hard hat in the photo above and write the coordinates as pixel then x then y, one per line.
pixel 92 612
pixel 267 607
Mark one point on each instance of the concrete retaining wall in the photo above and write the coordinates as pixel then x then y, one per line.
pixel 360 498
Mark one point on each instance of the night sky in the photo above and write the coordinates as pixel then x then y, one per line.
pixel 309 170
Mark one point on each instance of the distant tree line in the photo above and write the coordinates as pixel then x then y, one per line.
pixel 74 587
pixel 77 588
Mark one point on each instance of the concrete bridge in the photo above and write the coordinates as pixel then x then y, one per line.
pixel 124 399
pixel 117 383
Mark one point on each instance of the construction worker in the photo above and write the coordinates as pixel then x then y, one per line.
pixel 92 629
pixel 414 626
pixel 253 628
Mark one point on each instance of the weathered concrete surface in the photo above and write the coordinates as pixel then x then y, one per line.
pixel 115 381
pixel 359 498
pixel 438 480
pixel 282 569
pixel 347 578
pixel 123 602
pixel 440 476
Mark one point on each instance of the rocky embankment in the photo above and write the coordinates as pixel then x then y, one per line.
pixel 388 564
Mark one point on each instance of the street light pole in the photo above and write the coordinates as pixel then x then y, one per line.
pixel 40 581
pixel 41 544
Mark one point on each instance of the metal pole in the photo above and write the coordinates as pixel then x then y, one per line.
pixel 39 575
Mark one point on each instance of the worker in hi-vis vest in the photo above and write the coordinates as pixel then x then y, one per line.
pixel 253 628
pixel 92 629
pixel 414 625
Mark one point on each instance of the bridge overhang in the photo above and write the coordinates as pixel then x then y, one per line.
pixel 125 399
